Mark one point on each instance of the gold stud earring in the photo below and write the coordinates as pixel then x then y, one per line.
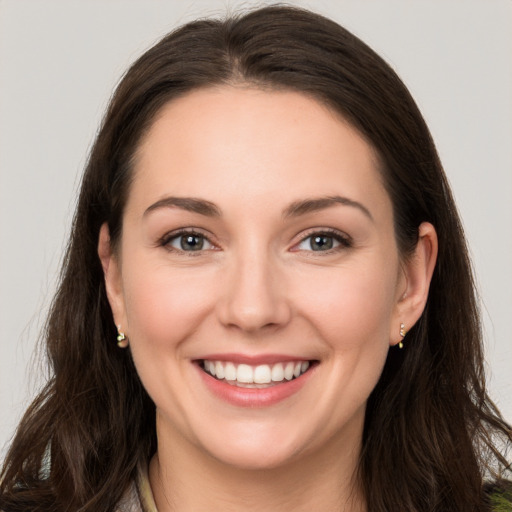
pixel 403 332
pixel 122 342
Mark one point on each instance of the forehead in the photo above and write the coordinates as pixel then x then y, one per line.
pixel 233 141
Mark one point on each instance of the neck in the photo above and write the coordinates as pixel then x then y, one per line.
pixel 185 479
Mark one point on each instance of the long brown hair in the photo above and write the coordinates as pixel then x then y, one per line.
pixel 431 434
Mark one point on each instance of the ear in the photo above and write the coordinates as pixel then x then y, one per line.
pixel 417 273
pixel 112 273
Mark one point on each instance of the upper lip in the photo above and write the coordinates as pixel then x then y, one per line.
pixel 254 360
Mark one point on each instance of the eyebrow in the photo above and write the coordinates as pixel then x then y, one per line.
pixel 295 209
pixel 190 204
pixel 305 206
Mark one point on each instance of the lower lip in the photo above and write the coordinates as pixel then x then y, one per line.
pixel 253 397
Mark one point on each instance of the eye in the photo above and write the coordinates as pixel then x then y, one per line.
pixel 323 242
pixel 187 241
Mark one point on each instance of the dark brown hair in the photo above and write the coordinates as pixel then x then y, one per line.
pixel 431 434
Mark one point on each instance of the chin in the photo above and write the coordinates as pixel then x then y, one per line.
pixel 257 459
pixel 255 448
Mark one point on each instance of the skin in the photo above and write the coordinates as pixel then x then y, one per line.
pixel 258 287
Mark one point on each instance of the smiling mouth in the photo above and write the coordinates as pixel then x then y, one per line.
pixel 257 376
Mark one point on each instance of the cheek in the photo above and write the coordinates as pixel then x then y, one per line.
pixel 351 312
pixel 163 305
pixel 351 308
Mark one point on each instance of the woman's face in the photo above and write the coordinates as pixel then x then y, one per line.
pixel 258 246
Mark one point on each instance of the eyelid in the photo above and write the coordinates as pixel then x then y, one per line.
pixel 171 235
pixel 344 240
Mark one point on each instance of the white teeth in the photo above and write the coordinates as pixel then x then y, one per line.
pixel 262 374
pixel 219 370
pixel 255 376
pixel 288 371
pixel 277 374
pixel 230 371
pixel 244 373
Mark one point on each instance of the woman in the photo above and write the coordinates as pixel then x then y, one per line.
pixel 265 228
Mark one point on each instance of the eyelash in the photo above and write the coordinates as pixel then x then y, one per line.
pixel 166 240
pixel 344 241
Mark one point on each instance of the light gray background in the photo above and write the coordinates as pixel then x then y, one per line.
pixel 60 60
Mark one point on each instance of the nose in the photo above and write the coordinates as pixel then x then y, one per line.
pixel 253 295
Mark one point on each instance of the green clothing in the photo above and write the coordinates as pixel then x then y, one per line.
pixel 501 498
